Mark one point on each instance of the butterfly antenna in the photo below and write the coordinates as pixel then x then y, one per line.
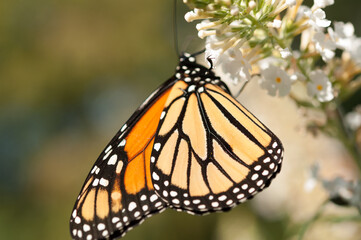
pixel 209 59
pixel 199 52
pixel 175 27
pixel 241 90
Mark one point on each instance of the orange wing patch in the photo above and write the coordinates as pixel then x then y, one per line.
pixel 145 128
pixel 138 147
pixel 134 177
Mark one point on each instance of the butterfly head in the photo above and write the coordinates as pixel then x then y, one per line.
pixel 195 74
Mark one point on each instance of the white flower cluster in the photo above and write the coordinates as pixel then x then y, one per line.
pixel 249 37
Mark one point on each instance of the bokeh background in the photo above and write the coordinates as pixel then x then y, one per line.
pixel 72 72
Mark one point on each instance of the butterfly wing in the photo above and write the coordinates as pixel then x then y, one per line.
pixel 118 192
pixel 210 153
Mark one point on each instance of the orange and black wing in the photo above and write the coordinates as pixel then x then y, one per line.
pixel 209 152
pixel 118 192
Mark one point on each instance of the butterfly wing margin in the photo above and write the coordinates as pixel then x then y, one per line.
pixel 223 154
pixel 116 196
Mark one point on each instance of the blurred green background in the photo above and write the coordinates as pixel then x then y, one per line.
pixel 71 73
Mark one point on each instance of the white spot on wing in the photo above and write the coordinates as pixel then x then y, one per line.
pixel 162 115
pixel 153 198
pixel 191 88
pixel 108 148
pixel 95 182
pixel 77 220
pixel 86 227
pixel 157 146
pixel 239 196
pixel 101 226
pixel 222 198
pixel 260 182
pixel 155 176
pixel 113 159
pixel 196 201
pixel 105 233
pixel 123 128
pixel 122 143
pixel 104 182
pixel 107 154
pixel 254 176
pixel 132 206
pixel 257 168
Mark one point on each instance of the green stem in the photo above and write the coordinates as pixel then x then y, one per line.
pixel 346 137
pixel 307 224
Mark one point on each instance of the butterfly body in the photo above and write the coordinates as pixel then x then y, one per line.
pixel 190 146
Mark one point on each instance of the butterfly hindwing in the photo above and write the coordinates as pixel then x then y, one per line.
pixel 210 153
pixel 118 192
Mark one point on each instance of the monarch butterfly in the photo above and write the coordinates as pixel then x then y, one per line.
pixel 190 146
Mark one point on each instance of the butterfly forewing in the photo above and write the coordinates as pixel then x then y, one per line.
pixel 210 153
pixel 118 192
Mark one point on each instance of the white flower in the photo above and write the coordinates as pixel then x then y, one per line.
pixel 310 184
pixel 275 24
pixel 276 81
pixel 353 119
pixel 235 66
pixel 195 15
pixel 317 18
pixel 234 10
pixel 271 61
pixel 320 86
pixel 291 3
pixel 285 53
pixel 356 52
pixel 323 3
pixel 324 45
pixel 343 35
